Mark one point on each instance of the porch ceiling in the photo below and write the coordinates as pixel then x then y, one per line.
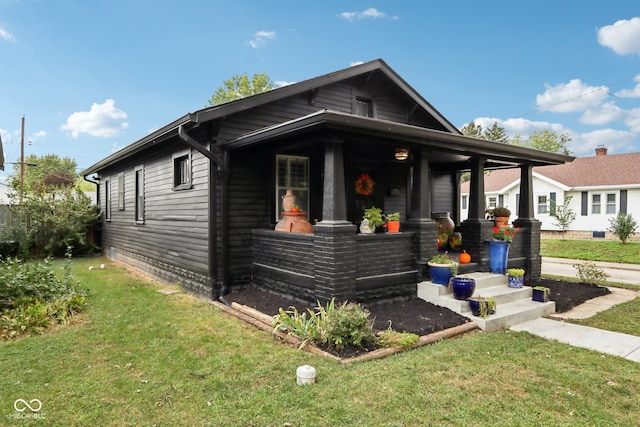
pixel 447 148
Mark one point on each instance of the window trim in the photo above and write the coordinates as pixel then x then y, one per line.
pixel 121 185
pixel 594 204
pixel 176 161
pixel 107 200
pixel 281 190
pixel 138 182
pixel 612 204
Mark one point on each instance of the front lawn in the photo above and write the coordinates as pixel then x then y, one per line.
pixel 145 358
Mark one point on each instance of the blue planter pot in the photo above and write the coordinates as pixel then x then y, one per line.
pixel 498 255
pixel 515 282
pixel 462 287
pixel 440 273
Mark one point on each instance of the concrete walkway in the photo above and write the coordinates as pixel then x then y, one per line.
pixel 554 328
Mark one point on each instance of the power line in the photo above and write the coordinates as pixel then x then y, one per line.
pixel 546 107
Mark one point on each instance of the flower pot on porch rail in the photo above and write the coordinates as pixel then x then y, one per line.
pixel 498 256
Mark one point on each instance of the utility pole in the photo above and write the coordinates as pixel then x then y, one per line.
pixel 22 161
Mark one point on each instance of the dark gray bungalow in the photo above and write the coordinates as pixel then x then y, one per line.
pixel 196 202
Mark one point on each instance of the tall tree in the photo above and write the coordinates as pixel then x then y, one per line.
pixel 56 170
pixel 548 140
pixel 496 133
pixel 239 86
pixel 472 129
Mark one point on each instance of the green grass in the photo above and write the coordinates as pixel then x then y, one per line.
pixel 144 358
pixel 592 250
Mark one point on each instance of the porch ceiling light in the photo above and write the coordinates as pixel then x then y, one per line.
pixel 402 154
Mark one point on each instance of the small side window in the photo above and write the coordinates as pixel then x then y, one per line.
pixel 182 172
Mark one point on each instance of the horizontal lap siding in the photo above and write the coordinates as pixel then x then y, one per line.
pixel 175 230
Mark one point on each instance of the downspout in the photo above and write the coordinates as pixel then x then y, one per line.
pixel 220 162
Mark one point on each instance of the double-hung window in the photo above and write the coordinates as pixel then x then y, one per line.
pixel 596 204
pixel 292 173
pixel 107 199
pixel 139 194
pixel 611 203
pixel 542 204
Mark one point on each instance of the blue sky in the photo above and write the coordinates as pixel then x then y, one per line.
pixel 91 77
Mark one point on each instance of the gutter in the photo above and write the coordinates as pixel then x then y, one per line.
pixel 218 288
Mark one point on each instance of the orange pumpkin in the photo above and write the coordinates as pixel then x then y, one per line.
pixel 465 258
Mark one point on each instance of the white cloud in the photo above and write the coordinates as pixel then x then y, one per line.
pixel 261 38
pixel 370 13
pixel 6 35
pixel 281 83
pixel 354 63
pixel 623 36
pixel 103 120
pixel 571 97
pixel 630 93
pixel 585 144
pixel 603 114
pixel 519 126
pixel 632 120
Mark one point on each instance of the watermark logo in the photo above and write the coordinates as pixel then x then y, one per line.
pixel 22 405
pixel 34 406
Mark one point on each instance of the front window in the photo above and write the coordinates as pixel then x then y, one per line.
pixel 611 203
pixel 542 204
pixel 595 203
pixel 464 202
pixel 292 180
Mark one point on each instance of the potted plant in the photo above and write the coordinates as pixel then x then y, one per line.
pixel 499 248
pixel 501 215
pixel 462 287
pixel 371 219
pixel 442 268
pixel 393 222
pixel 515 277
pixel 482 306
pixel 540 293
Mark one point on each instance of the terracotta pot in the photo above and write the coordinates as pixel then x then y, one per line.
pixel 294 222
pixel 393 226
pixel 502 221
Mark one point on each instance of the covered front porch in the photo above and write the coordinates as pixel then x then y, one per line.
pixel 336 261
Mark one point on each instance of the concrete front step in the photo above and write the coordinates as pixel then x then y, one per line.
pixel 513 305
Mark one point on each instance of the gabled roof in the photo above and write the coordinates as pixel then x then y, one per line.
pixel 609 170
pixel 447 138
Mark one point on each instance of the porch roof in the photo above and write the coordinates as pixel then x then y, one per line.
pixel 447 147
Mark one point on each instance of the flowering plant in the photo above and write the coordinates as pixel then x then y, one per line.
pixel 505 234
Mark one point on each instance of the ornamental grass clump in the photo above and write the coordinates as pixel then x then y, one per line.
pixel 335 327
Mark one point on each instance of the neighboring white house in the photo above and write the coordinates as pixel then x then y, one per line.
pixel 600 187
pixel 4 194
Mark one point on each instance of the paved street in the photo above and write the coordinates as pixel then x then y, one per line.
pixel 623 273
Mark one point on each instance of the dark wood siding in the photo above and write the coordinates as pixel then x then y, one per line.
pixel 175 229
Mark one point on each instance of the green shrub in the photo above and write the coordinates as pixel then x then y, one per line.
pixel 589 272
pixel 33 296
pixel 333 326
pixel 623 226
pixel 394 339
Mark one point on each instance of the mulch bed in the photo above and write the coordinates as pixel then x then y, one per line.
pixel 415 315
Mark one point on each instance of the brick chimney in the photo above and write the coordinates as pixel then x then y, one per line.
pixel 601 150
